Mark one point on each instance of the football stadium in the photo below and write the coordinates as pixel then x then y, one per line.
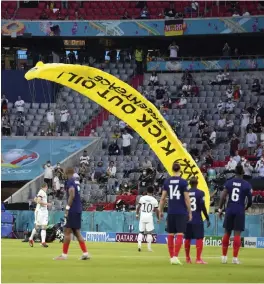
pixel 132 147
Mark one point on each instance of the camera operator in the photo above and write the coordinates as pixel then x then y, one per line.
pixel 145 180
pixel 59 172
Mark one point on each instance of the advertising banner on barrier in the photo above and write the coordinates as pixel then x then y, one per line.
pixel 174 27
pixel 250 242
pixel 132 238
pixel 216 241
pixel 260 242
pixel 163 239
pixel 101 237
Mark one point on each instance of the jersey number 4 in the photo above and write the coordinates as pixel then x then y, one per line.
pixel 174 192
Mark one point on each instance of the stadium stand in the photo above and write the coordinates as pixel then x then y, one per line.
pixel 113 10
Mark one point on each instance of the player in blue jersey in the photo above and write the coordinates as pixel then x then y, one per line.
pixel 179 210
pixel 195 228
pixel 73 216
pixel 237 190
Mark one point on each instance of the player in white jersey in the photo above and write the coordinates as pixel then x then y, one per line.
pixel 41 216
pixel 147 205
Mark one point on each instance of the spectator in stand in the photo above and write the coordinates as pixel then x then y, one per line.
pixel 229 92
pixel 49 133
pixel 126 16
pixel 193 8
pixel 237 157
pixel 126 142
pixel 226 79
pixel 260 5
pixel 259 152
pixel 153 80
pixel 128 167
pixel 116 134
pixel 202 124
pixel 98 172
pixel 113 149
pixel 246 13
pixel 93 133
pixel 234 143
pixel 139 60
pixel 187 88
pixel 85 159
pixel 160 93
pixel 165 115
pixel 221 107
pixel 187 76
pixel 48 174
pixel 262 136
pixel 236 52
pixel 146 163
pixel 226 50
pixel 257 127
pixel 236 14
pixel 20 104
pixel 260 161
pixel 231 165
pixel 209 159
pixel 251 142
pixel 260 169
pixel 144 14
pixel 51 120
pixel 4 105
pixel 182 102
pixel 229 126
pixel 173 48
pixel 170 12
pixel 248 169
pixel 111 170
pixel 218 79
pixel 145 180
pixel 195 90
pixel 229 106
pixel 64 115
pixel 194 152
pixel 212 138
pixel 59 171
pixel 6 128
pixel 255 86
pixel 244 122
pixel 72 57
pixel 83 171
pixel 237 92
pixel 57 185
pixel 260 112
pixel 195 119
pixel 221 123
pixel 122 125
pixel 20 125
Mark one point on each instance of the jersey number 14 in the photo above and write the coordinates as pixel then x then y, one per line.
pixel 174 192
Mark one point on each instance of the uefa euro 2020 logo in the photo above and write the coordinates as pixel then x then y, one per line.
pixel 17 158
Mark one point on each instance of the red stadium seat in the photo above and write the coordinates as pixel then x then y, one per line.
pixel 71 12
pixel 86 5
pixel 104 11
pixel 42 5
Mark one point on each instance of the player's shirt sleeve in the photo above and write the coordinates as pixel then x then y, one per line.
pixel 201 199
pixel 155 203
pixel 165 185
pixel 140 201
pixel 40 194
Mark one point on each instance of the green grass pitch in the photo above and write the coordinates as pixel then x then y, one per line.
pixel 121 262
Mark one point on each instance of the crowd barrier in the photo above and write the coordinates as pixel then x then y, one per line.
pixel 126 222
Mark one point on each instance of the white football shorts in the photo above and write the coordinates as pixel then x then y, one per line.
pixel 41 218
pixel 146 226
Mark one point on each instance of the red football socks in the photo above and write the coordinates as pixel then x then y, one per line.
pixel 187 245
pixel 178 244
pixel 225 244
pixel 83 247
pixel 199 249
pixel 236 245
pixel 171 245
pixel 65 248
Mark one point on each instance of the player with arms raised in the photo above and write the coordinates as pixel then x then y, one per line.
pixel 179 210
pixel 195 228
pixel 73 216
pixel 41 216
pixel 146 206
pixel 237 190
